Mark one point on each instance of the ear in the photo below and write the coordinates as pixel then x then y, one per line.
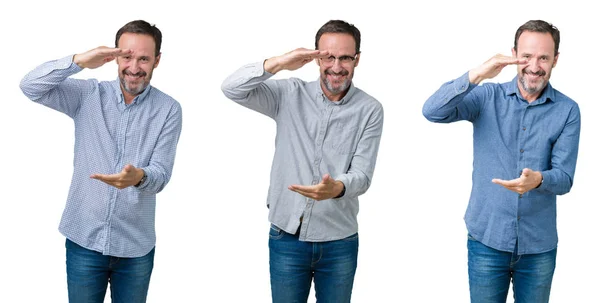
pixel 357 59
pixel 514 52
pixel 555 60
pixel 157 60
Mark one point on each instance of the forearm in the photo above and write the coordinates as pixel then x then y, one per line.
pixel 559 179
pixel 49 85
pixel 160 166
pixel 157 177
pixel 354 183
pixel 556 182
pixel 248 87
pixel 242 82
pixel 357 179
pixel 47 76
pixel 443 105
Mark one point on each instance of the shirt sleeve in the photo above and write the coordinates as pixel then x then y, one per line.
pixel 559 179
pixel 358 178
pixel 248 87
pixel 454 101
pixel 160 166
pixel 49 85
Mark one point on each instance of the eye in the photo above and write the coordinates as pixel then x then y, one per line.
pixel 346 59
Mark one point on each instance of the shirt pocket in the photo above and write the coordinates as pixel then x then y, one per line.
pixel 343 137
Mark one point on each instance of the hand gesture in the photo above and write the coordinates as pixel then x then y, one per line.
pixel 327 189
pixel 528 180
pixel 293 60
pixel 492 67
pixel 99 56
pixel 127 177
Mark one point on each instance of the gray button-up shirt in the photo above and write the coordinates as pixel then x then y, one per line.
pixel 315 136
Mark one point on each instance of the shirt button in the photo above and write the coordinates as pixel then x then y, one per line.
pixel 520 195
pixel 522 150
pixel 524 128
pixel 518 218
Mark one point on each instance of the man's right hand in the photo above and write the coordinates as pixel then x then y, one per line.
pixel 293 60
pixel 492 67
pixel 99 56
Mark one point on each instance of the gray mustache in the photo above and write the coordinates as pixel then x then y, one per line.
pixel 342 73
pixel 138 74
pixel 538 73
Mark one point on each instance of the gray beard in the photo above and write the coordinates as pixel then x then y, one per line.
pixel 342 87
pixel 130 90
pixel 529 89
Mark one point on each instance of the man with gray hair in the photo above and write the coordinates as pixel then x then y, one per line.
pixel 126 134
pixel 328 134
pixel 525 143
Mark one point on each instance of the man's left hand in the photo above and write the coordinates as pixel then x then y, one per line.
pixel 127 177
pixel 327 189
pixel 528 180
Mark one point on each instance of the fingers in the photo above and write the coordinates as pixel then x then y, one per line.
pixel 105 178
pixel 309 53
pixel 99 56
pixel 302 188
pixel 515 185
pixel 503 60
pixel 115 180
pixel 121 180
pixel 111 51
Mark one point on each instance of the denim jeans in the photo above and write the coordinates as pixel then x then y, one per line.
pixel 294 263
pixel 88 274
pixel 490 273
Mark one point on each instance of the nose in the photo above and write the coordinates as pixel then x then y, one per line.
pixel 533 64
pixel 133 66
pixel 337 66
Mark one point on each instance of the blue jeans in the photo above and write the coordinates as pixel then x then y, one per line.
pixel 88 274
pixel 490 273
pixel 294 263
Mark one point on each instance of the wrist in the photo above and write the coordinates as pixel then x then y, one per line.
pixel 142 179
pixel 77 60
pixel 342 192
pixel 272 65
pixel 541 180
pixel 474 78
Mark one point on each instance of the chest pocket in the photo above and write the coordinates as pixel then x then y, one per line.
pixel 343 138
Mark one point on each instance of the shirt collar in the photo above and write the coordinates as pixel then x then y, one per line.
pixel 138 99
pixel 547 94
pixel 344 100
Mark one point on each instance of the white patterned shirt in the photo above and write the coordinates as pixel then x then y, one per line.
pixel 110 134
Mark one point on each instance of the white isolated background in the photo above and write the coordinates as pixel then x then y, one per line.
pixel 211 219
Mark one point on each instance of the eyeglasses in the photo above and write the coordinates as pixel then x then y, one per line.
pixel 343 59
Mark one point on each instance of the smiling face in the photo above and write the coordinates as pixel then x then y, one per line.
pixel 337 71
pixel 135 70
pixel 533 76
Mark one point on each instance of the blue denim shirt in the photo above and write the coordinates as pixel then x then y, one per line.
pixel 510 134
pixel 108 135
